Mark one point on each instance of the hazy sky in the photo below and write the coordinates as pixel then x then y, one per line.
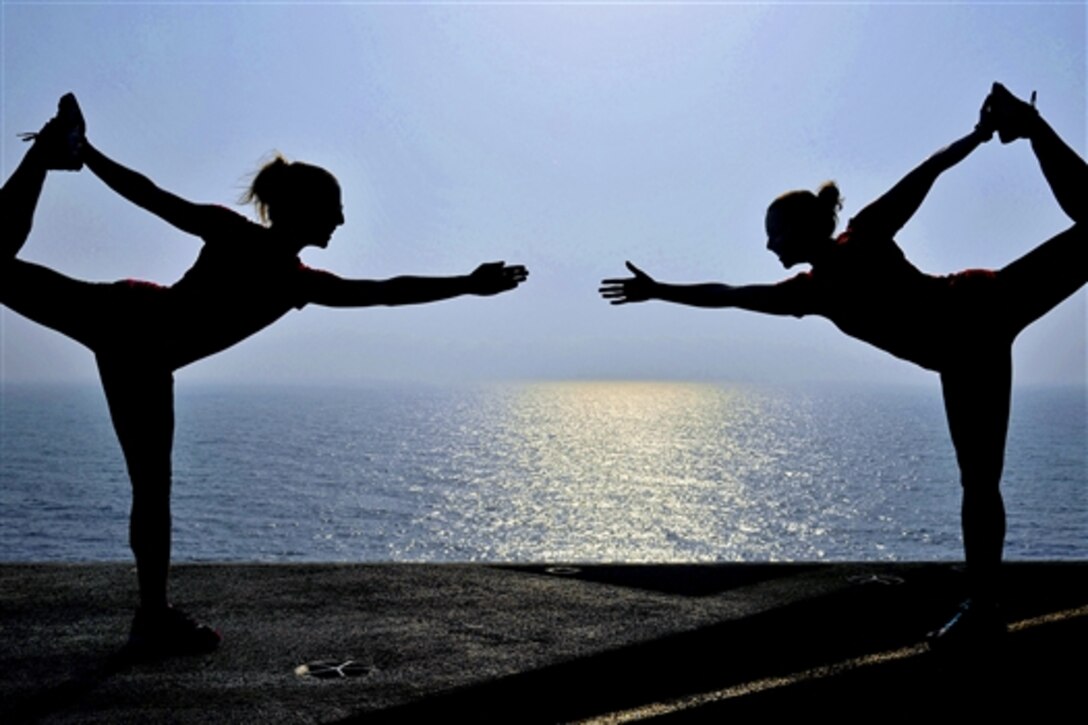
pixel 566 137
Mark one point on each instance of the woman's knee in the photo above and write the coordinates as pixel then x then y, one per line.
pixel 69 306
pixel 981 479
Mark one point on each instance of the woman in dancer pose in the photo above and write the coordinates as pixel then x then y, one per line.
pixel 247 276
pixel 962 326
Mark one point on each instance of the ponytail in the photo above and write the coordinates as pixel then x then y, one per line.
pixel 829 197
pixel 269 186
pixel 819 211
pixel 829 200
pixel 288 187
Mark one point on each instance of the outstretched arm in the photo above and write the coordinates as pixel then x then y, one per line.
pixel 641 287
pixel 890 212
pixel 198 219
pixel 488 279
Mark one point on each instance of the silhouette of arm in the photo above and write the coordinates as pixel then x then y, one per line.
pixel 887 215
pixel 486 280
pixel 641 287
pixel 198 219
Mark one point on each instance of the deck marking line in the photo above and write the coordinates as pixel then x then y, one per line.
pixel 769 683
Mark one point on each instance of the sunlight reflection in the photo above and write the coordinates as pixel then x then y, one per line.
pixel 609 471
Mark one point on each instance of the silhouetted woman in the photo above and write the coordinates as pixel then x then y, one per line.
pixel 247 276
pixel 962 326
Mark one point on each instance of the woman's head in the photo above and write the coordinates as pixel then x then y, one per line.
pixel 300 199
pixel 799 223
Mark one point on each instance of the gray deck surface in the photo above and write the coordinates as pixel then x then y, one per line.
pixel 679 643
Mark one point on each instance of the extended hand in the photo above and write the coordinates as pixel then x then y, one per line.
pixel 639 288
pixel 491 278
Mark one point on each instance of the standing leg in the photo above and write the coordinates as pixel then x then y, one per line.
pixel 976 399
pixel 141 403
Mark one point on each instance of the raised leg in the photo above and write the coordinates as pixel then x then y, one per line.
pixel 1038 281
pixel 1034 284
pixel 81 310
pixel 57 146
pixel 18 200
pixel 1065 171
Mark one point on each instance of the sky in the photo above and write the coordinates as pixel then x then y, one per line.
pixel 567 137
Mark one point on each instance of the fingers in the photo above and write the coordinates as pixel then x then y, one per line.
pixel 635 270
pixel 514 275
pixel 614 291
pixel 503 270
pixel 506 278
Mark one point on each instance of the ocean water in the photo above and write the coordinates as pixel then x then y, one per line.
pixel 571 472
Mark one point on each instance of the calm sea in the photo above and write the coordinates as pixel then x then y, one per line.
pixel 586 472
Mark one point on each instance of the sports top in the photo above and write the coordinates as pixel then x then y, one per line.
pixel 870 291
pixel 240 283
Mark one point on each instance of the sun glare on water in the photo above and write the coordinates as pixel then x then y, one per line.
pixel 621 471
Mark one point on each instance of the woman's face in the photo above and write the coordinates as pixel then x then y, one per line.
pixel 328 214
pixel 314 215
pixel 785 239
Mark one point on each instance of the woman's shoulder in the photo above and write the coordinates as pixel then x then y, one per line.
pixel 858 234
pixel 228 226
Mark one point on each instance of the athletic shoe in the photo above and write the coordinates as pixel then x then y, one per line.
pixel 985 125
pixel 62 136
pixel 169 632
pixel 1011 117
pixel 974 625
